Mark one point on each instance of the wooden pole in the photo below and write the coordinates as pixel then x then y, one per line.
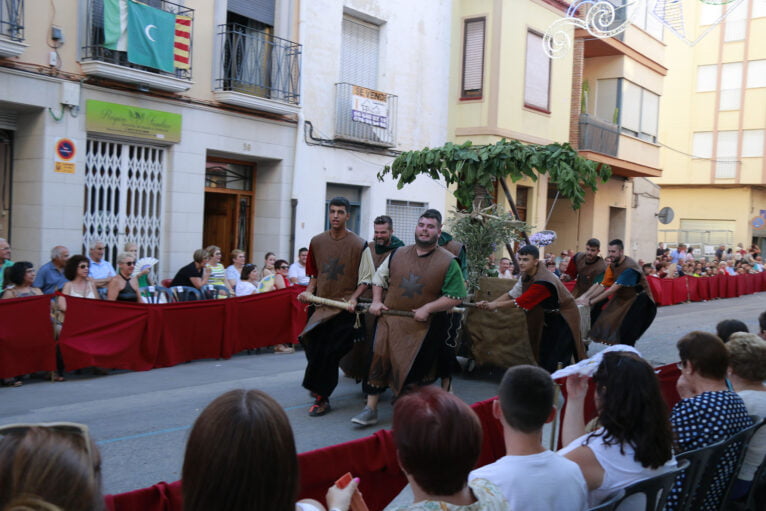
pixel 515 212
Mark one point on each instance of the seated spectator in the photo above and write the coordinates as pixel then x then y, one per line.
pixel 248 282
pixel 297 273
pixel 551 267
pixel 194 274
pixel 633 441
pixel 725 328
pixel 747 372
pixel 281 279
pixel 124 287
pixel 241 456
pixel 217 271
pixel 76 271
pixel 234 270
pixel 438 440
pixel 268 264
pixel 21 277
pixel 530 476
pixel 5 259
pixel 141 273
pixel 101 270
pixel 51 467
pixel 51 277
pixel 708 410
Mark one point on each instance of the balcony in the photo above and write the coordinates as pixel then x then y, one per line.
pixel 629 156
pixel 365 116
pixel 11 28
pixel 98 60
pixel 258 70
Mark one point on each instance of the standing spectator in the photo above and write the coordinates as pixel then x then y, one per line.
pixel 438 440
pixel 268 264
pixel 217 271
pixel 51 277
pixel 101 270
pixel 234 270
pixel 678 254
pixel 660 249
pixel 530 476
pixel 124 288
pixel 720 252
pixel 504 269
pixel 248 281
pixel 5 259
pixel 297 272
pixel 194 274
pixel 747 372
pixel 563 263
pixel 708 411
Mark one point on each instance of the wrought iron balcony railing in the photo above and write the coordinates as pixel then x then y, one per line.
pixel 598 136
pixel 94 48
pixel 258 63
pixel 365 115
pixel 12 19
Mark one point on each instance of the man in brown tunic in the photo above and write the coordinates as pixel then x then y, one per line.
pixel 587 268
pixel 426 280
pixel 631 310
pixel 340 267
pixel 356 364
pixel 553 322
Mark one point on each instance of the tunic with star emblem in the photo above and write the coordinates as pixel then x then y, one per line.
pixel 338 266
pixel 412 282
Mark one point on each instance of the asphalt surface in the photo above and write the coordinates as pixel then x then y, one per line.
pixel 141 419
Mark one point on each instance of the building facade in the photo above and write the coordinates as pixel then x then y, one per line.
pixel 209 144
pixel 512 89
pixel 713 126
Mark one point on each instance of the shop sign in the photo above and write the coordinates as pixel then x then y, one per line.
pixel 131 121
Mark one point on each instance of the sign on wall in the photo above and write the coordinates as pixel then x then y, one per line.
pixel 131 121
pixel 369 107
pixel 65 151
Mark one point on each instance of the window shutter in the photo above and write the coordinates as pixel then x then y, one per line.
pixel 359 53
pixel 473 58
pixel 259 10
pixel 538 73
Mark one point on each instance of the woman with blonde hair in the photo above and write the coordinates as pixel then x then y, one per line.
pixel 234 270
pixel 217 271
pixel 124 287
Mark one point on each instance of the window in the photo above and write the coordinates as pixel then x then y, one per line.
pixel 726 157
pixel 756 72
pixel 736 23
pixel 537 74
pixel 759 9
pixel 706 78
pixel 405 215
pixel 634 109
pixel 354 196
pixel 640 14
pixel 702 144
pixel 731 83
pixel 359 53
pixel 752 143
pixel 473 58
pixel 522 199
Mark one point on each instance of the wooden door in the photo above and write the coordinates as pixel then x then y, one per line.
pixel 220 221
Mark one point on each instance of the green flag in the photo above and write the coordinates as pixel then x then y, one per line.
pixel 116 25
pixel 150 36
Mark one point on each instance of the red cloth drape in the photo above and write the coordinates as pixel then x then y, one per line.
pixel 160 497
pixel 680 290
pixel 26 336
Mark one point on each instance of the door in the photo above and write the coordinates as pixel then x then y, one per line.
pixel 229 199
pixel 5 184
pixel 220 221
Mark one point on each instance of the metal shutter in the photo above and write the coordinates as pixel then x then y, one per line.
pixel 7 120
pixel 473 57
pixel 259 10
pixel 359 53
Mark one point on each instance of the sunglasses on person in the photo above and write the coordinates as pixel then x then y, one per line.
pixel 129 263
pixel 83 266
pixel 68 428
pixel 284 268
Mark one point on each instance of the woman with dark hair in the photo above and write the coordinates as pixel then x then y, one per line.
pixel 241 456
pixel 438 441
pixel 708 410
pixel 281 279
pixel 79 285
pixel 633 440
pixel 21 275
pixel 248 282
pixel 48 467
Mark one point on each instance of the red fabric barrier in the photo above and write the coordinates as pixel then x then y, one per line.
pixel 108 334
pixel 190 330
pixel 731 286
pixel 655 284
pixel 160 497
pixel 693 287
pixel 26 336
pixel 715 286
pixel 680 290
pixel 666 292
pixel 749 284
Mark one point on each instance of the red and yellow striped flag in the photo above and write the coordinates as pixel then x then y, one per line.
pixel 182 42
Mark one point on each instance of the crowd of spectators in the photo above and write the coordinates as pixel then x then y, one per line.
pixel 687 261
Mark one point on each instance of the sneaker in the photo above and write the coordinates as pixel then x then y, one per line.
pixel 319 408
pixel 367 417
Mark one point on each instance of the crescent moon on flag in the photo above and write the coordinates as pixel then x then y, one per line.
pixel 148 34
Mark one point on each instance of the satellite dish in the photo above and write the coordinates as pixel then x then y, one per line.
pixel 665 216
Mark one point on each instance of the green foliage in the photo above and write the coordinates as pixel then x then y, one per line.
pixel 482 232
pixel 467 166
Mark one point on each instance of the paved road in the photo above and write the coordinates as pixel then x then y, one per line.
pixel 141 420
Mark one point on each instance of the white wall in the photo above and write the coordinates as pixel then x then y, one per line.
pixel 413 65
